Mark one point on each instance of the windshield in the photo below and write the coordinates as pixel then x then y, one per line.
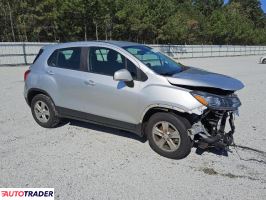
pixel 155 60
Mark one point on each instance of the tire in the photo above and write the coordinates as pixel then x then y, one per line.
pixel 264 61
pixel 179 147
pixel 43 111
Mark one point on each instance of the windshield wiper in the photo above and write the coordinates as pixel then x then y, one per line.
pixel 170 73
pixel 167 74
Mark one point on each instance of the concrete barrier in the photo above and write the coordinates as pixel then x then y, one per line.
pixel 20 53
pixel 197 51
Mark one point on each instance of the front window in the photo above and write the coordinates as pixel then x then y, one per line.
pixel 107 61
pixel 155 60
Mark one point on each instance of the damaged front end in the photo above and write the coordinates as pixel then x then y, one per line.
pixel 208 129
pixel 216 92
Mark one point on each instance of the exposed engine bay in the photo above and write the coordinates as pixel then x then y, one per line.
pixel 209 129
pixel 212 123
pixel 217 93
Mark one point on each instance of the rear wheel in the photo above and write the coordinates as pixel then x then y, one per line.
pixel 167 135
pixel 43 111
pixel 264 61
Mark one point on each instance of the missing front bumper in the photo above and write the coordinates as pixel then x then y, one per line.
pixel 210 131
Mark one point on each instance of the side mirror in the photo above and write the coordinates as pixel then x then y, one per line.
pixel 123 75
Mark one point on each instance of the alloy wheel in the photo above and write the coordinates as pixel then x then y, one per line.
pixel 166 136
pixel 41 111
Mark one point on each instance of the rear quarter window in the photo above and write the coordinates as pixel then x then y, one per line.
pixel 53 59
pixel 38 55
pixel 69 58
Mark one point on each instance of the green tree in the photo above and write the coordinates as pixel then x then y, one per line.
pixel 145 21
pixel 253 10
pixel 230 26
pixel 206 7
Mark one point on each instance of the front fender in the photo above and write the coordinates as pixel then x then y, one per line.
pixel 169 97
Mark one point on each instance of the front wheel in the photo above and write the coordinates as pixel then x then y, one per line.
pixel 264 61
pixel 168 136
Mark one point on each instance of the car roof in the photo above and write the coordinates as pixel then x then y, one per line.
pixel 81 43
pixel 121 43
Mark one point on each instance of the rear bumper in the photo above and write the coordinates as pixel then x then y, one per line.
pixel 26 94
pixel 26 99
pixel 261 60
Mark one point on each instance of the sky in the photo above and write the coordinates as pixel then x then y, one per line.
pixel 263 4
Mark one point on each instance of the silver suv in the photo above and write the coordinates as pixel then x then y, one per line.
pixel 133 87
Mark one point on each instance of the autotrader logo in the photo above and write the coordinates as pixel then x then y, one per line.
pixel 27 193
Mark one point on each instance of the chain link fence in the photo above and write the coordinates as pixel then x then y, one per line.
pixel 24 53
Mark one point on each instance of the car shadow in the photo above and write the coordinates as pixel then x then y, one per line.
pixel 126 134
pixel 104 129
pixel 213 150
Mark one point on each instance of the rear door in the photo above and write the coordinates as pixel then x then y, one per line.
pixel 68 71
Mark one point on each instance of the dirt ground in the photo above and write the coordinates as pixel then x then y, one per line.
pixel 85 161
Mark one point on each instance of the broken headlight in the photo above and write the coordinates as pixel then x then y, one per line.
pixel 217 102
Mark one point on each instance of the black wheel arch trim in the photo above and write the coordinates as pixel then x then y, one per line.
pixel 37 91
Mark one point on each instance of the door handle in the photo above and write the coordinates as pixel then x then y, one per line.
pixel 89 82
pixel 50 72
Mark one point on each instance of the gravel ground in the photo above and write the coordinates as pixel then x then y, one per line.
pixel 85 161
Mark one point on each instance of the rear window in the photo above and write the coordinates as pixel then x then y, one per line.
pixel 38 55
pixel 66 58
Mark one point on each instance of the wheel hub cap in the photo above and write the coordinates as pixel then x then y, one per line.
pixel 166 136
pixel 41 111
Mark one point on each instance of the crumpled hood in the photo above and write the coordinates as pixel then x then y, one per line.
pixel 201 78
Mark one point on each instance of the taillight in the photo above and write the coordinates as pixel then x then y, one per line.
pixel 26 74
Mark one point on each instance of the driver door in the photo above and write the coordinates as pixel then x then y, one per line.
pixel 110 100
